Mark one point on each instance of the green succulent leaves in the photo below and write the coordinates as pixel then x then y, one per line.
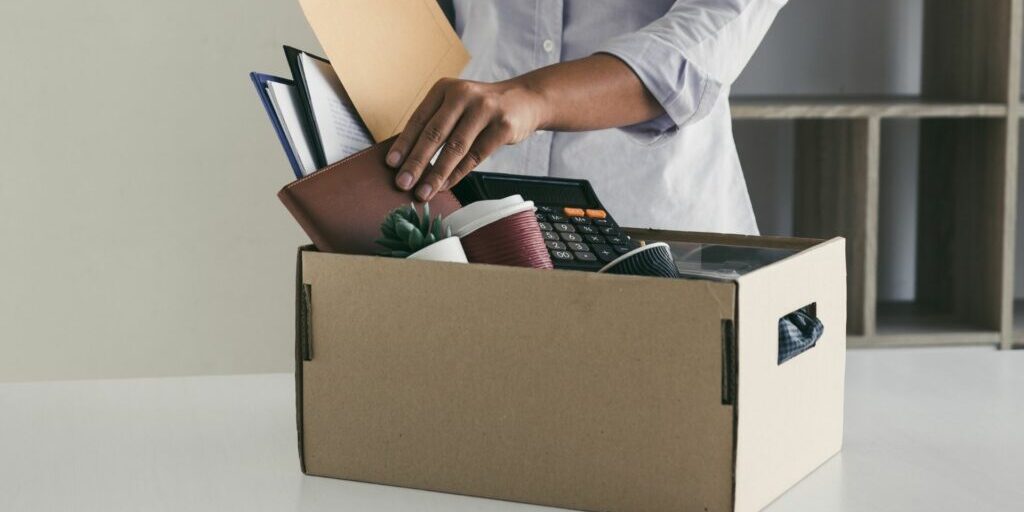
pixel 405 231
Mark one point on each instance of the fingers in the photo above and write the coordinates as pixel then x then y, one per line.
pixel 457 147
pixel 465 121
pixel 417 122
pixel 433 136
pixel 486 144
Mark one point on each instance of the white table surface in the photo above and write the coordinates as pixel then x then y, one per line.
pixel 926 429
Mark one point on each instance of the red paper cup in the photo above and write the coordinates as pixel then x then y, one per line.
pixel 502 232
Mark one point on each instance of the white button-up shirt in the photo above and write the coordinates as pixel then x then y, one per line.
pixel 680 171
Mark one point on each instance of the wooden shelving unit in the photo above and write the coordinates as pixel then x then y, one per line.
pixel 804 107
pixel 969 114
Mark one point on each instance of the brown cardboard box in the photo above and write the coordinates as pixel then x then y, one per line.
pixel 570 389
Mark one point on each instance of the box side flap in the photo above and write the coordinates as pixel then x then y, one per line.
pixel 570 389
pixel 773 242
pixel 301 345
pixel 820 245
pixel 790 416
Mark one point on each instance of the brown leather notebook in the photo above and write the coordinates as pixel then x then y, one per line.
pixel 342 205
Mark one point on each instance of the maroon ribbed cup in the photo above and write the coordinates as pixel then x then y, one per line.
pixel 514 240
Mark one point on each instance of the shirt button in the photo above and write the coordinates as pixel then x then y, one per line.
pixel 549 45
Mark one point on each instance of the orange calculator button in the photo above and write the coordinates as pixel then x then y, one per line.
pixel 573 212
pixel 596 214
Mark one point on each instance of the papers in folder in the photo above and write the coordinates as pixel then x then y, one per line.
pixel 314 119
pixel 338 126
pixel 285 100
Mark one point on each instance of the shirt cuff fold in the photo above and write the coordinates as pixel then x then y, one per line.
pixel 684 92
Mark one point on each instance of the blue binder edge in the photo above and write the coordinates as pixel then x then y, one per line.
pixel 260 81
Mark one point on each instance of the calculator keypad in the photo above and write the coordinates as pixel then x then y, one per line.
pixel 581 238
pixel 585 256
pixel 561 255
pixel 605 253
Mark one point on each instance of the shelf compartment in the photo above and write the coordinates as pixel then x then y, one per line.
pixel 963 257
pixel 810 107
pixel 963 253
pixel 959 238
pixel 905 324
pixel 917 324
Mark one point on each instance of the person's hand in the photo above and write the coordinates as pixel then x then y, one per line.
pixel 470 120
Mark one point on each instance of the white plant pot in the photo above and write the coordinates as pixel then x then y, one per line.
pixel 449 249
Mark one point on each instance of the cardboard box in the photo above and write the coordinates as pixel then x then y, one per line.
pixel 578 390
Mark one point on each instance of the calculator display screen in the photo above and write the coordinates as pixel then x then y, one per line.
pixel 546 191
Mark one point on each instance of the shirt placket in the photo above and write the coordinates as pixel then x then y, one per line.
pixel 547 51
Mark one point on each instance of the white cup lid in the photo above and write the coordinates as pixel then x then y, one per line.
pixel 476 215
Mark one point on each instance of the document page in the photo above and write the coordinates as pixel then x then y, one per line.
pixel 341 131
pixel 285 99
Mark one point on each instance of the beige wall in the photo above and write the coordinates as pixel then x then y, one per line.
pixel 139 228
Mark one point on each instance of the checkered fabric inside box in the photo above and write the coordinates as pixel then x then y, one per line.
pixel 798 331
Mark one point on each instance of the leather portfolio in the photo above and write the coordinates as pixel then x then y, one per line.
pixel 342 205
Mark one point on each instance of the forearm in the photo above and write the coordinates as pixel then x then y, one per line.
pixel 471 120
pixel 592 93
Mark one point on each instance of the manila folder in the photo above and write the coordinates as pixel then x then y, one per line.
pixel 387 53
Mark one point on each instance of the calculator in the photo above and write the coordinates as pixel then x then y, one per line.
pixel 579 232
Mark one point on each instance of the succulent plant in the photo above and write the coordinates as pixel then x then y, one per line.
pixel 406 231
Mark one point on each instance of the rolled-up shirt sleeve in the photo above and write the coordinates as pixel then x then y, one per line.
pixel 690 55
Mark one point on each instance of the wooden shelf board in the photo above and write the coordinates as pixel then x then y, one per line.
pixel 907 324
pixel 932 339
pixel 811 107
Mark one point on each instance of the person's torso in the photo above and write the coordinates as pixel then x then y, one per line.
pixel 690 180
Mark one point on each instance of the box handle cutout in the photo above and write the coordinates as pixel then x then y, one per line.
pixel 728 363
pixel 305 323
pixel 799 331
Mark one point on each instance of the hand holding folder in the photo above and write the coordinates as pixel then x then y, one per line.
pixel 342 205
